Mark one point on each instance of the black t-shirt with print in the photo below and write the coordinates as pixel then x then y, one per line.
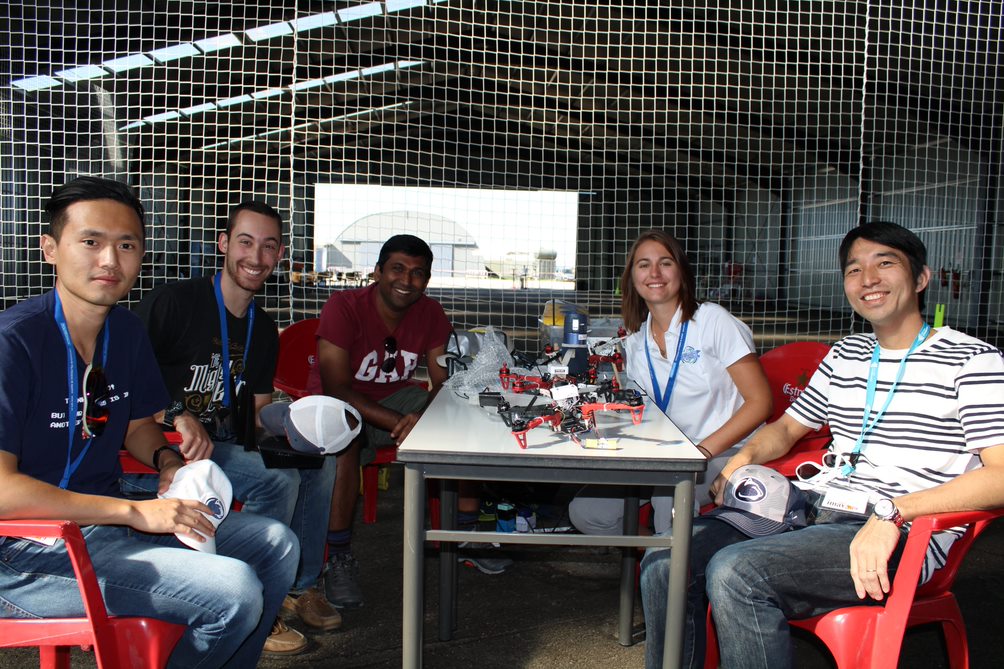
pixel 183 321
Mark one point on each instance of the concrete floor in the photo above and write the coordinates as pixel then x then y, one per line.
pixel 557 607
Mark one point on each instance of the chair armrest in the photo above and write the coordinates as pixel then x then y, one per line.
pixel 62 529
pixel 80 559
pixel 906 582
pixel 131 465
pixel 944 521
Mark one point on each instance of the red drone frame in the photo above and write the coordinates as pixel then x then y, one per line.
pixel 578 418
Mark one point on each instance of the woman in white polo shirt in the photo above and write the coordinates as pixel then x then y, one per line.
pixel 695 361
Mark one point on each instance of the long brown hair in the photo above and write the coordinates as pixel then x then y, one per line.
pixel 634 311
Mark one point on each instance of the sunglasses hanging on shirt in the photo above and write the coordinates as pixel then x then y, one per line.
pixel 95 402
pixel 389 355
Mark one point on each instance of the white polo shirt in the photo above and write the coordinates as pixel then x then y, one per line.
pixel 704 396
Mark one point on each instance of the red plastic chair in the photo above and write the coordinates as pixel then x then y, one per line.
pixel 117 641
pixel 788 369
pixel 297 351
pixel 870 637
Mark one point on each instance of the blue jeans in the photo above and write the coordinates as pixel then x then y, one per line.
pixel 229 601
pixel 299 498
pixel 754 586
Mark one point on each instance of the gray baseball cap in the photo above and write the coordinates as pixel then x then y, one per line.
pixel 759 502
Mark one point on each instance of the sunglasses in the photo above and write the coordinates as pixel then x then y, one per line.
pixel 389 355
pixel 96 410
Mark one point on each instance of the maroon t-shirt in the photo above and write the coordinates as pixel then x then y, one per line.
pixel 350 321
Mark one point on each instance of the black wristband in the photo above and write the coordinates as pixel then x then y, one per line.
pixel 156 455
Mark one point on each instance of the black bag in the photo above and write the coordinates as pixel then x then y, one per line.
pixel 275 450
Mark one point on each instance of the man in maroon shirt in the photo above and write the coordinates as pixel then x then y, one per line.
pixel 369 344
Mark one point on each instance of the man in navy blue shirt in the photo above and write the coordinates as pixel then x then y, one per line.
pixel 78 380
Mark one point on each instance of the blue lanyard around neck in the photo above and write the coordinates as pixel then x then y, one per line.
pixel 226 339
pixel 867 426
pixel 71 391
pixel 663 399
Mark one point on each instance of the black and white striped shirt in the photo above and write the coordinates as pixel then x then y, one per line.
pixel 948 406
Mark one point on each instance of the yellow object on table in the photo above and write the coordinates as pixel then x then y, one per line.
pixel 553 315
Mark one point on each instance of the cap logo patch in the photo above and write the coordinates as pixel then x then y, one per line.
pixel 750 490
pixel 216 506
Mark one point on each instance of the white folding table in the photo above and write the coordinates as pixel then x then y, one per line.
pixel 458 440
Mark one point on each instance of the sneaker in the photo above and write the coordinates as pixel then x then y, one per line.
pixel 341 582
pixel 284 641
pixel 486 558
pixel 313 609
pixel 487 511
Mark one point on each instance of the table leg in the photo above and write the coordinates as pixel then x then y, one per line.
pixel 414 544
pixel 629 561
pixel 447 561
pixel 679 565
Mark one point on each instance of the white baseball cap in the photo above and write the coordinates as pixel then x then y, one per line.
pixel 204 481
pixel 317 424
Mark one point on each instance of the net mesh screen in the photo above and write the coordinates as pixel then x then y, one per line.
pixel 528 142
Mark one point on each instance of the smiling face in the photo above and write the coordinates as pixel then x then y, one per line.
pixel 401 280
pixel 879 285
pixel 99 253
pixel 252 249
pixel 655 275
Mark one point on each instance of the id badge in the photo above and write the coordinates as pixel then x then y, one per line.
pixel 846 501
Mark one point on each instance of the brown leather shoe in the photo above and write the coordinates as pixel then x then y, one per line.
pixel 313 609
pixel 284 641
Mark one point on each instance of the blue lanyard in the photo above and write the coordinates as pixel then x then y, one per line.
pixel 866 426
pixel 663 399
pixel 71 390
pixel 226 339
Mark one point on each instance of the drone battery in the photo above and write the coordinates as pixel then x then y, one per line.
pixel 489 398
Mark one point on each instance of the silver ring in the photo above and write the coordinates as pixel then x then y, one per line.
pixel 871 571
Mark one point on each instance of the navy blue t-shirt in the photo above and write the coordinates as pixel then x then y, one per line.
pixel 34 394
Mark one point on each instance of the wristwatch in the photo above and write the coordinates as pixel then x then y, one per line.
pixel 172 412
pixel 886 510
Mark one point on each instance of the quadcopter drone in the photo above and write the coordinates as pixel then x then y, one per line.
pixel 521 383
pixel 567 411
pixel 599 353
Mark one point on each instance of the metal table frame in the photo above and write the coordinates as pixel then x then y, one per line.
pixel 454 466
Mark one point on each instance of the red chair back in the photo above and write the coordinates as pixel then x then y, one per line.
pixel 117 641
pixel 297 351
pixel 788 369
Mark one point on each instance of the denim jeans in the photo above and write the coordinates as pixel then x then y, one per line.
pixel 754 586
pixel 299 498
pixel 229 601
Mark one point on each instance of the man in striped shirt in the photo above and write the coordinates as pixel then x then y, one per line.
pixel 917 417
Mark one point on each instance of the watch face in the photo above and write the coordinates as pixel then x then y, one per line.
pixel 884 508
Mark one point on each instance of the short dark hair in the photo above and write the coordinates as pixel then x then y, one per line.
pixel 634 311
pixel 894 236
pixel 406 244
pixel 257 207
pixel 84 189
